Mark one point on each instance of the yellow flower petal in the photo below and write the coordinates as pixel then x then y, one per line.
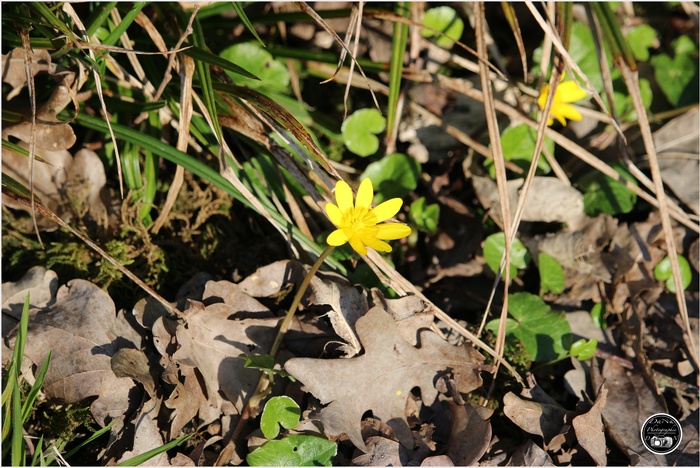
pixel 391 231
pixel 570 112
pixel 387 209
pixel 334 213
pixel 365 194
pixel 542 99
pixel 357 244
pixel 376 244
pixel 570 92
pixel 337 237
pixel 343 195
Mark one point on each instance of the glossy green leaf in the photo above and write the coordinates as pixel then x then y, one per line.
pixel 605 195
pixel 551 274
pixel 598 315
pixel 425 216
pixel 295 450
pixel 279 411
pixel 273 75
pixel 495 246
pixel 360 131
pixel 584 349
pixel 545 333
pixel 393 176
pixel 445 20
pixel 640 39
pixel 518 145
pixel 678 76
pixel 663 272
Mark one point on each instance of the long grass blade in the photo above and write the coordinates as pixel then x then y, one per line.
pixel 241 14
pixel 138 459
pixel 113 37
pixel 95 435
pixel 34 392
pixel 205 56
pixel 398 50
pixel 199 169
pixel 99 16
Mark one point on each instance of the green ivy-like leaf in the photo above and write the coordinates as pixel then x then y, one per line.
pixel 678 76
pixel 518 145
pixel 640 39
pixel 393 176
pixel 295 450
pixel 279 411
pixel 273 75
pixel 583 349
pixel 445 20
pixel 663 272
pixel 545 333
pixel 598 315
pixel 360 131
pixel 605 195
pixel 495 245
pixel 425 216
pixel 551 274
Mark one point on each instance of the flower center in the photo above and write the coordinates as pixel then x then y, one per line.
pixel 359 220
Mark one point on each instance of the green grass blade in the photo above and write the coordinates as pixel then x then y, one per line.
pixel 204 55
pixel 279 51
pixel 8 145
pixel 34 392
pixel 99 16
pixel 17 450
pixel 44 11
pixel 11 185
pixel 38 451
pixel 18 353
pixel 138 459
pixel 241 14
pixel 201 170
pixel 617 42
pixel 398 50
pixel 204 75
pixel 116 33
pixel 94 436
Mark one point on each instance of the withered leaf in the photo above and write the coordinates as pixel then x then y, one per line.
pixel 84 332
pixel 529 454
pixel 543 419
pixel 470 435
pixel 41 285
pixel 212 341
pixel 14 72
pixel 382 378
pixel 382 452
pixel 589 430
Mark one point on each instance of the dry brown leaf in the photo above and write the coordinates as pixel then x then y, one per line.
pixel 13 68
pixel 470 435
pixel 381 380
pixel 187 400
pixel 146 437
pixel 212 340
pixel 41 285
pixel 590 431
pixel 68 185
pixel 269 280
pixel 347 305
pixel 543 419
pixel 630 401
pixel 678 150
pixel 84 332
pixel 382 452
pixel 549 200
pixel 529 454
pixel 409 313
pixel 437 460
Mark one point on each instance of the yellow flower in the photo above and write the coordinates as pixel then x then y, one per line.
pixel 358 223
pixel 566 92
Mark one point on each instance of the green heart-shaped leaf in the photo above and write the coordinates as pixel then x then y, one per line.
pixel 360 130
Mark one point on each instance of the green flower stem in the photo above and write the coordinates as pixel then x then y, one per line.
pixel 287 320
pixel 263 388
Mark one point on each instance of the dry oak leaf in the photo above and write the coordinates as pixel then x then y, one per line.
pixel 382 378
pixel 84 332
pixel 590 432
